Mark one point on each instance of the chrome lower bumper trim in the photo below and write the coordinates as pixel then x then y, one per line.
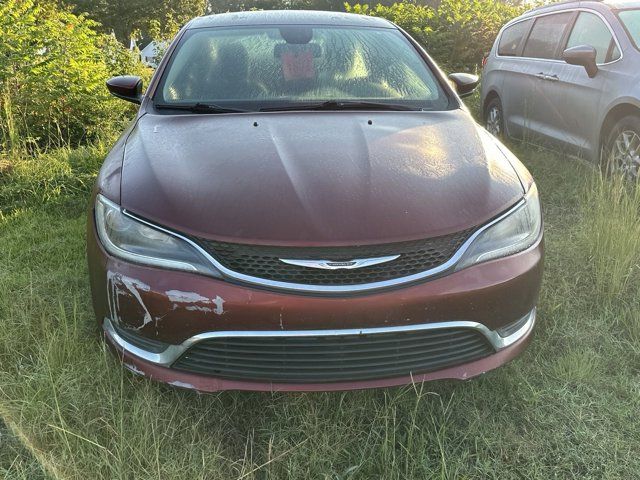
pixel 173 352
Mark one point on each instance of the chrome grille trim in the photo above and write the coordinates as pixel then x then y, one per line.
pixel 173 352
pixel 331 289
pixel 340 265
pixel 268 261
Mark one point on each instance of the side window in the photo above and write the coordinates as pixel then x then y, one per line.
pixel 546 35
pixel 591 30
pixel 512 37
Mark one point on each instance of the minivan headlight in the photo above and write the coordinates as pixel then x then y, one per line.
pixel 127 238
pixel 512 234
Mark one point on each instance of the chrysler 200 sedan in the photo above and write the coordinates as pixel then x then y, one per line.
pixel 304 203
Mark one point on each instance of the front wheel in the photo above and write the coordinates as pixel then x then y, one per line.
pixel 621 152
pixel 494 118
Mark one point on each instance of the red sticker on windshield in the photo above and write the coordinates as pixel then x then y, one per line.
pixel 298 65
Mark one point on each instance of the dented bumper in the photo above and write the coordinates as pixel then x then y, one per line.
pixel 172 308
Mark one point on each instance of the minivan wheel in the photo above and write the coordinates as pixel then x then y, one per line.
pixel 494 119
pixel 621 154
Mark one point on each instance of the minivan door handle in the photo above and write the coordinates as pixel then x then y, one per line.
pixel 545 76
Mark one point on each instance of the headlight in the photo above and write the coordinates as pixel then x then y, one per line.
pixel 513 233
pixel 129 239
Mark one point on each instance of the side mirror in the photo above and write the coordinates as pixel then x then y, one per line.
pixel 583 55
pixel 126 87
pixel 465 83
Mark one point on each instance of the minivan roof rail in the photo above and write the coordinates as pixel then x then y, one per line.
pixel 565 2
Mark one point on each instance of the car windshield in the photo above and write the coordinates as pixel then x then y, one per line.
pixel 631 20
pixel 253 68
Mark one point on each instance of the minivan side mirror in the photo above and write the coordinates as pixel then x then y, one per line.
pixel 583 55
pixel 126 87
pixel 465 83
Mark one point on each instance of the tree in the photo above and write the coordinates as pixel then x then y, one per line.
pixel 221 6
pixel 457 33
pixel 159 19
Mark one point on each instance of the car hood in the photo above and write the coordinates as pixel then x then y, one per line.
pixel 316 178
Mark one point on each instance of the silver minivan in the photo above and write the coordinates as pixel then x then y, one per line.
pixel 568 76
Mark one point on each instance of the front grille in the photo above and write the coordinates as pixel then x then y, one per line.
pixel 318 359
pixel 264 261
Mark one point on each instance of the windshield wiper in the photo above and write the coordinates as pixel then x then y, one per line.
pixel 341 105
pixel 199 108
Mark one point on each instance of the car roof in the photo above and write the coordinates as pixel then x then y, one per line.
pixel 288 17
pixel 593 4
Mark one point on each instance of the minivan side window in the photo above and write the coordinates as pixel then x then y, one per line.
pixel 546 35
pixel 589 29
pixel 631 20
pixel 512 38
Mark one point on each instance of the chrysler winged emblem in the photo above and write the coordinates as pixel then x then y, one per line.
pixel 340 264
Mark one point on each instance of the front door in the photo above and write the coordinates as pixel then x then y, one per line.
pixel 579 96
pixel 542 114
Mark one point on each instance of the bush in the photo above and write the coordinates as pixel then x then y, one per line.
pixel 457 33
pixel 53 66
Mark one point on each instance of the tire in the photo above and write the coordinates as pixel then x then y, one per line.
pixel 494 118
pixel 621 151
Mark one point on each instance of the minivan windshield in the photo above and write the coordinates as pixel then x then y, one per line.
pixel 631 21
pixel 266 68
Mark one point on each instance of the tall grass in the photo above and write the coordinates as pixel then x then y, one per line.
pixel 8 130
pixel 53 179
pixel 16 461
pixel 612 234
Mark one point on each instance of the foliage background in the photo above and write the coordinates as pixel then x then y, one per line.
pixel 55 57
pixel 456 33
pixel 53 65
pixel 158 19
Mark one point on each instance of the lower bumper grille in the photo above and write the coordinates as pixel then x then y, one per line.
pixel 139 341
pixel 318 359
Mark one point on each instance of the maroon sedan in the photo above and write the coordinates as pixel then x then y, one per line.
pixel 304 203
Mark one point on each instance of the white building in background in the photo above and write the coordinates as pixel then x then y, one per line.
pixel 151 53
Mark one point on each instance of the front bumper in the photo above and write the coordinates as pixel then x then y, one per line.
pixel 177 378
pixel 181 309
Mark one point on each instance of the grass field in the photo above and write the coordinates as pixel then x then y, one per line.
pixel 16 462
pixel 567 408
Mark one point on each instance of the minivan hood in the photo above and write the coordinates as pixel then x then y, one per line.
pixel 316 178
